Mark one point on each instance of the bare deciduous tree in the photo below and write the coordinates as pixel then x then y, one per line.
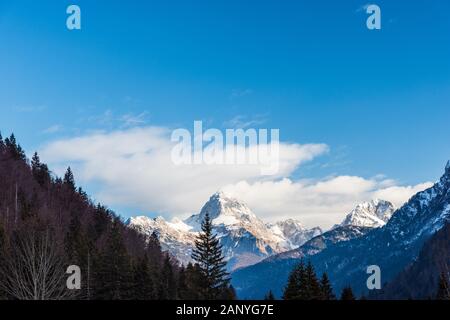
pixel 34 269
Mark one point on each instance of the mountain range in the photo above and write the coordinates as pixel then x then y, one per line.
pixel 247 240
pixel 393 247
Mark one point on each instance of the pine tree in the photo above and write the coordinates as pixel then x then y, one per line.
pixel 168 284
pixel 194 283
pixel 143 284
pixel 113 271
pixel 40 170
pixel 347 294
pixel 35 162
pixel 294 285
pixel 69 179
pixel 15 149
pixel 443 288
pixel 208 255
pixel 313 291
pixel 182 287
pixel 269 296
pixel 326 289
pixel 78 252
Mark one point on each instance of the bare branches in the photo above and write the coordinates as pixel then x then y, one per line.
pixel 34 270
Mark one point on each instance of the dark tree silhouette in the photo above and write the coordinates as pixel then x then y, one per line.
pixel 208 255
pixel 326 289
pixel 293 288
pixel 347 294
pixel 69 179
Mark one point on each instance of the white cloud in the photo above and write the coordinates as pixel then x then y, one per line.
pixel 133 168
pixel 324 202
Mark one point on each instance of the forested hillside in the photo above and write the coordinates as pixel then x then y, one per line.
pixel 48 223
pixel 421 279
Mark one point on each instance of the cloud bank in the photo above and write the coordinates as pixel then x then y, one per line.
pixel 132 168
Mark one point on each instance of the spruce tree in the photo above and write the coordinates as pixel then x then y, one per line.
pixel 35 162
pixel 313 291
pixel 40 170
pixel 78 252
pixel 326 289
pixel 182 287
pixel 443 288
pixel 293 288
pixel 69 179
pixel 113 273
pixel 347 294
pixel 208 255
pixel 15 149
pixel 194 281
pixel 168 284
pixel 143 284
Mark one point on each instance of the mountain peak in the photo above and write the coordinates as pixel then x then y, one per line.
pixel 373 214
pixel 223 210
pixel 447 167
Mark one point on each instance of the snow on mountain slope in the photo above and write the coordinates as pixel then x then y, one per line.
pixel 293 231
pixel 245 238
pixel 363 218
pixel 175 237
pixel 371 214
pixel 322 241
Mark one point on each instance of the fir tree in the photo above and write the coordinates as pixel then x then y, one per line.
pixel 15 149
pixel 312 284
pixel 326 289
pixel 113 268
pixel 40 170
pixel 35 162
pixel 69 179
pixel 78 252
pixel 194 283
pixel 168 283
pixel 347 294
pixel 443 288
pixel 143 284
pixel 208 255
pixel 294 285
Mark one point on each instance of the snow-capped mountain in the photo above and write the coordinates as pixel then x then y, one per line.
pixel 245 238
pixel 294 232
pixel 391 247
pixel 371 214
pixel 363 218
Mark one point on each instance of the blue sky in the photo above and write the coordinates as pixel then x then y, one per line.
pixel 378 99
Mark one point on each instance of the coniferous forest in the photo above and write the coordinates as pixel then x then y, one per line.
pixel 48 223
